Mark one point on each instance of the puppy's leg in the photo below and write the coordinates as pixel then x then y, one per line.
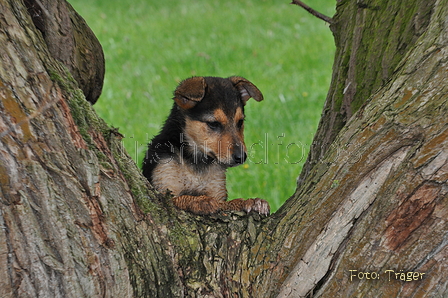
pixel 250 205
pixel 198 204
pixel 208 205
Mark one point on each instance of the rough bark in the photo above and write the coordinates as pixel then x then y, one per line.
pixel 371 39
pixel 70 40
pixel 384 185
pixel 79 220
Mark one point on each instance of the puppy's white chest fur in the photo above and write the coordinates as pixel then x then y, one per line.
pixel 183 179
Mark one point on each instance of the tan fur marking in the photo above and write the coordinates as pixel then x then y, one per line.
pixel 197 134
pixel 239 115
pixel 220 116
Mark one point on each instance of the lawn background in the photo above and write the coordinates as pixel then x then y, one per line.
pixel 150 46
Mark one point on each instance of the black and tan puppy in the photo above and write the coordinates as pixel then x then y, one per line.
pixel 202 137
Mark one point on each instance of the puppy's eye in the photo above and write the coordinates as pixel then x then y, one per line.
pixel 214 125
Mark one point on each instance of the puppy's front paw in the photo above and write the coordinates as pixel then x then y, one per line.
pixel 202 205
pixel 257 205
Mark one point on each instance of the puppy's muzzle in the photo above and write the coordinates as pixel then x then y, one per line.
pixel 239 155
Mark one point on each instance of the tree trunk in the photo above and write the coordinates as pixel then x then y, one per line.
pixel 79 220
pixel 371 39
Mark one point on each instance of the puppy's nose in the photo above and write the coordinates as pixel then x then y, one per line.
pixel 239 156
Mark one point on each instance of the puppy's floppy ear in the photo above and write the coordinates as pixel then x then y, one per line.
pixel 247 89
pixel 190 92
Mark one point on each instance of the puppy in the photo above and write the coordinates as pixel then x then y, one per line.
pixel 202 137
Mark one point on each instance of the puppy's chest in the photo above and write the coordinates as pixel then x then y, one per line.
pixel 181 179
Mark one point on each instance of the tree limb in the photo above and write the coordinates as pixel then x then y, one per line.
pixel 313 12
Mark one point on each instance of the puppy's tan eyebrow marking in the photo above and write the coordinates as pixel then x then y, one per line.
pixel 239 115
pixel 220 116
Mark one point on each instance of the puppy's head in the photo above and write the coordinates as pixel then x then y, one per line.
pixel 214 116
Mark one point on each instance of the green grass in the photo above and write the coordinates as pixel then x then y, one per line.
pixel 152 45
